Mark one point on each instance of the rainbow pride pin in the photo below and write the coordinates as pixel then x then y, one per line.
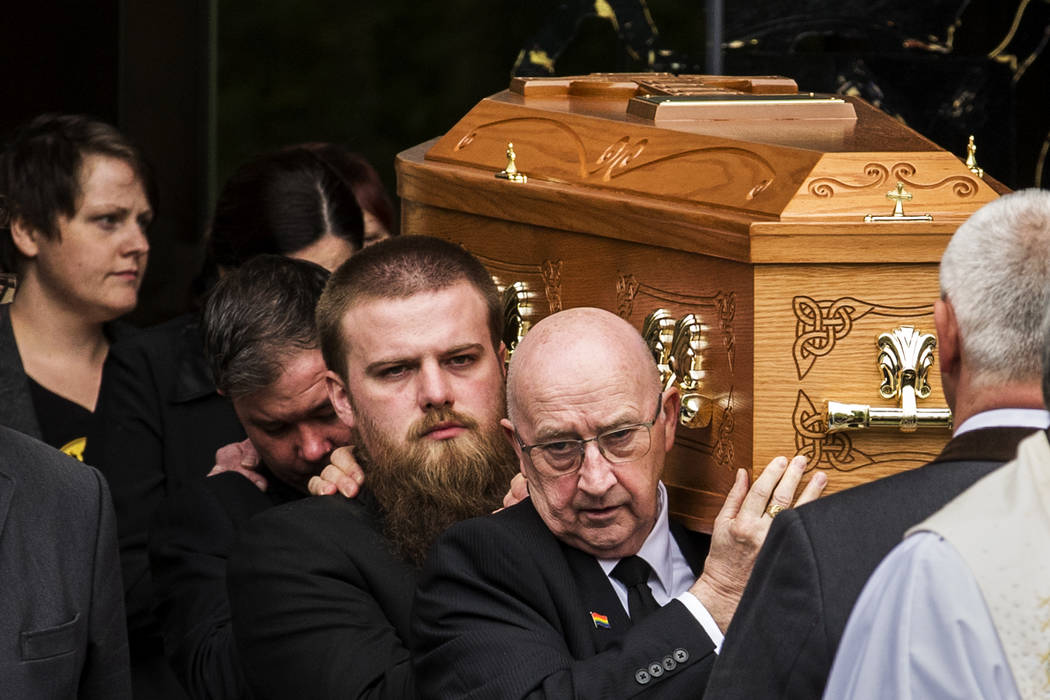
pixel 600 620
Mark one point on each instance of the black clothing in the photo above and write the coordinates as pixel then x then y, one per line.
pixel 64 424
pixel 159 424
pixel 194 534
pixel 321 603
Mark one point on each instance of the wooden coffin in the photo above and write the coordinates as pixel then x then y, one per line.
pixel 764 213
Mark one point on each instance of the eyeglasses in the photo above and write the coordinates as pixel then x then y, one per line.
pixel 618 445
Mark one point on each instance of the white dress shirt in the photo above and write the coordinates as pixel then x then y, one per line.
pixel 921 630
pixel 671 576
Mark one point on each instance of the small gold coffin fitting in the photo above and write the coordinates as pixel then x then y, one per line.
pixel 678 348
pixel 905 356
pixel 898 196
pixel 518 313
pixel 510 171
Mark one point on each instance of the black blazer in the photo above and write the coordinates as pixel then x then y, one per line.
pixel 321 604
pixel 61 611
pixel 16 404
pixel 817 559
pixel 503 610
pixel 159 422
pixel 190 543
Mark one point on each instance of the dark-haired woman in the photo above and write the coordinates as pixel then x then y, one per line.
pixel 161 417
pixel 74 208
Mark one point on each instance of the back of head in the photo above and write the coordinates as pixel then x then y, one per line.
pixel 40 173
pixel 362 178
pixel 394 269
pixel 996 274
pixel 280 203
pixel 256 316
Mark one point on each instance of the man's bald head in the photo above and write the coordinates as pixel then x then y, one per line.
pixel 578 342
pixel 591 427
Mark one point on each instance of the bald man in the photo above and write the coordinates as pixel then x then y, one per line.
pixel 587 589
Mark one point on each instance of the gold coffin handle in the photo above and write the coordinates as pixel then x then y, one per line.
pixel 678 349
pixel 855 416
pixel 905 356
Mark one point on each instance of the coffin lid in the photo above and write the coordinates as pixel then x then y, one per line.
pixel 745 168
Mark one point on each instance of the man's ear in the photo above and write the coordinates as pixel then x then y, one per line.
pixel 672 408
pixel 508 430
pixel 501 353
pixel 949 344
pixel 25 238
pixel 339 397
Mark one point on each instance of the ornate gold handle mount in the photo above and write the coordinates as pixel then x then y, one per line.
pixel 678 348
pixel 905 356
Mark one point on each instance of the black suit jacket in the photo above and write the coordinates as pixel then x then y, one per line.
pixel 61 611
pixel 321 604
pixel 503 610
pixel 817 559
pixel 189 547
pixel 16 404
pixel 159 422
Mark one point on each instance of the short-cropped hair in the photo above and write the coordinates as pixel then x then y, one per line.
pixel 40 173
pixel 256 317
pixel 996 274
pixel 394 269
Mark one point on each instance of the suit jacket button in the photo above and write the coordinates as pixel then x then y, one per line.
pixel 656 670
pixel 642 676
pixel 670 664
pixel 681 655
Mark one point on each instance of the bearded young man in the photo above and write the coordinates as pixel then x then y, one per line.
pixel 321 589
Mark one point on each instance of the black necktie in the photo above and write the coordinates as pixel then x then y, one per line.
pixel 633 573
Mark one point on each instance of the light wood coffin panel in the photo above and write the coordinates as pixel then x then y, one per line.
pixel 757 227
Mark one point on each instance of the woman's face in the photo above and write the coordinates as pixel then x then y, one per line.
pixel 97 261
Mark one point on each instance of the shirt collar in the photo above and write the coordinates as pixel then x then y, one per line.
pixel 657 549
pixel 1035 418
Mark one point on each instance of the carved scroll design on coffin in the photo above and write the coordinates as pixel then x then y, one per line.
pixel 877 175
pixel 837 451
pixel 549 271
pixel 821 323
pixel 722 303
pixel 743 172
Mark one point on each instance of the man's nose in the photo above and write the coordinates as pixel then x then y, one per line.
pixel 435 389
pixel 314 445
pixel 596 472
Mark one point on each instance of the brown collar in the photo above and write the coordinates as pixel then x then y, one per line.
pixel 984 445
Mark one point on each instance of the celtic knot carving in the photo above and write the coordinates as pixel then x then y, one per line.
pixel 820 324
pixel 626 290
pixel 724 451
pixel 552 284
pixel 548 270
pixel 722 303
pixel 837 451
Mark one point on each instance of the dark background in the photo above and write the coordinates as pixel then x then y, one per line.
pixel 204 84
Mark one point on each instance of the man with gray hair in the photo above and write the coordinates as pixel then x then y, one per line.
pixel 995 290
pixel 261 340
pixel 968 586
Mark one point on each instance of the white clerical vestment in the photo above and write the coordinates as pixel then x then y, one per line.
pixel 962 608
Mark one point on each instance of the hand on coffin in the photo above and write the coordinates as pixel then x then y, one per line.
pixel 344 475
pixel 741 527
pixel 242 458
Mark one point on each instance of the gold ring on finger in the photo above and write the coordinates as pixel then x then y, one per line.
pixel 774 509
